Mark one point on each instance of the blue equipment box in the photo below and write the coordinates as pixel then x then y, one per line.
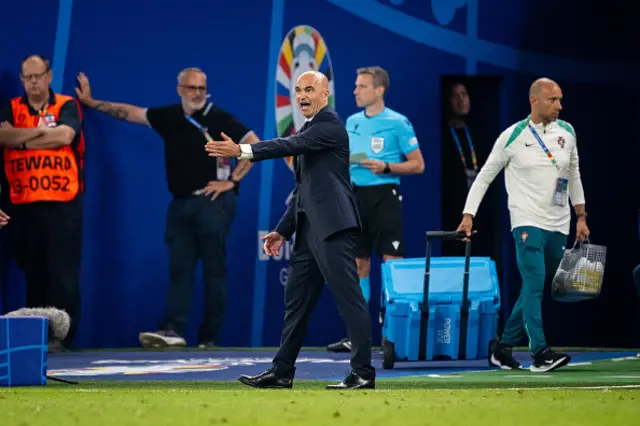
pixel 23 351
pixel 402 296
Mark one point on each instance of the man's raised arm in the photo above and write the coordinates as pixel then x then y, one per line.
pixel 320 137
pixel 130 113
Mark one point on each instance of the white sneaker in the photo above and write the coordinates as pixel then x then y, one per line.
pixel 161 339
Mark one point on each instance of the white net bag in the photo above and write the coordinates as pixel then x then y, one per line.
pixel 581 273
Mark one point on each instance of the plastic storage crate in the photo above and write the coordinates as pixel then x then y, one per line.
pixel 449 328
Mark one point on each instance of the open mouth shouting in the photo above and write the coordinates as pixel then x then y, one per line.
pixel 305 106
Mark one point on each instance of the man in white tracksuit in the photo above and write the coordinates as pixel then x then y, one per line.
pixel 540 158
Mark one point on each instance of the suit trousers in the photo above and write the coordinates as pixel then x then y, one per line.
pixel 314 262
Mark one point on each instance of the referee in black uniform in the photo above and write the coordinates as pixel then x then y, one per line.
pixel 204 193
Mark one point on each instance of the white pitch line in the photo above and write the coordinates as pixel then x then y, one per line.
pixel 626 358
pixel 603 387
pixel 528 376
pixel 621 377
pixel 575 364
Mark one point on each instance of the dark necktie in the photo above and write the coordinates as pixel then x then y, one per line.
pixel 304 127
pixel 296 168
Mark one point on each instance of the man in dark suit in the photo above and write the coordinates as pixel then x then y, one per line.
pixel 325 219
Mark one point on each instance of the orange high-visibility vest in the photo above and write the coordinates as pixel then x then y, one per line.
pixel 43 174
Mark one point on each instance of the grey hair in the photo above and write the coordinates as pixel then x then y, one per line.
pixel 182 73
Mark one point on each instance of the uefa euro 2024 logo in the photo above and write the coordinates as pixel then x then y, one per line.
pixel 303 49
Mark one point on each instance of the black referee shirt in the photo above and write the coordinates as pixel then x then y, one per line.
pixel 188 165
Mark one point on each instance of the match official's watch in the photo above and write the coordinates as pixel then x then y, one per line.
pixel 582 215
pixel 387 169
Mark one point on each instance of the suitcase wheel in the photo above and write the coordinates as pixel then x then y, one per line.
pixel 388 354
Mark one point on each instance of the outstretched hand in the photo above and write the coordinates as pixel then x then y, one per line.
pixel 224 148
pixel 83 91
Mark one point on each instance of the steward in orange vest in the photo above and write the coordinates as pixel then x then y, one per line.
pixel 42 155
pixel 43 174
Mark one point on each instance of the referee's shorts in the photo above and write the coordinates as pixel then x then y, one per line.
pixel 380 209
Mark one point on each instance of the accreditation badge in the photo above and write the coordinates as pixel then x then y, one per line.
pixel 561 194
pixel 48 120
pixel 471 176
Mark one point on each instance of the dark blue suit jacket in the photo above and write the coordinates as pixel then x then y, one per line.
pixel 321 164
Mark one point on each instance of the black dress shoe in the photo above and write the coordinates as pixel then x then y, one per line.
pixel 266 380
pixel 354 381
pixel 343 345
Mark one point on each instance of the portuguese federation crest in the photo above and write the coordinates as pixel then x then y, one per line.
pixel 303 49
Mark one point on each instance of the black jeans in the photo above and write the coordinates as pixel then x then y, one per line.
pixel 47 245
pixel 197 228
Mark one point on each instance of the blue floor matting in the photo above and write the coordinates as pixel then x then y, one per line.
pixel 228 365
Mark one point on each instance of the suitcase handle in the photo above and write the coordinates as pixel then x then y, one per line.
pixel 464 308
pixel 447 235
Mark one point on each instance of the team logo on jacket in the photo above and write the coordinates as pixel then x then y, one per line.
pixel 524 236
pixel 303 49
pixel 561 141
pixel 377 145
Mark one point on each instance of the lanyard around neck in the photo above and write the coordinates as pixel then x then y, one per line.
pixel 204 131
pixel 544 147
pixel 474 160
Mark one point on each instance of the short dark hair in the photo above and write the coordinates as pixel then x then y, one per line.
pixel 380 76
pixel 42 58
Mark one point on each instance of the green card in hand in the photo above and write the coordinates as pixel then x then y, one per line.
pixel 357 158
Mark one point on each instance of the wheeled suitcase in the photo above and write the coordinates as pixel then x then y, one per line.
pixel 408 333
